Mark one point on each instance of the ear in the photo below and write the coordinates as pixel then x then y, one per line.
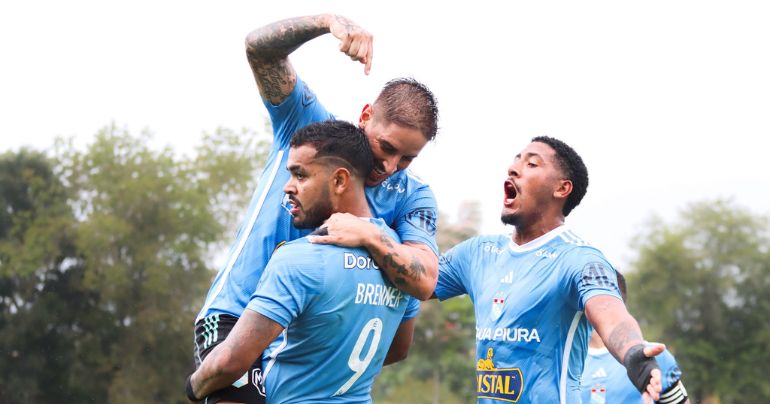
pixel 340 180
pixel 563 190
pixel 366 116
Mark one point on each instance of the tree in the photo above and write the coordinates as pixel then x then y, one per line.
pixel 105 263
pixel 702 285
pixel 441 363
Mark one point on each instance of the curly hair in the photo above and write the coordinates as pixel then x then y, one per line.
pixel 572 167
pixel 343 141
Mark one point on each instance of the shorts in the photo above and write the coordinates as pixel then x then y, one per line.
pixel 210 332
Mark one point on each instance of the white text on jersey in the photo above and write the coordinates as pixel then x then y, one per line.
pixel 507 334
pixel 378 295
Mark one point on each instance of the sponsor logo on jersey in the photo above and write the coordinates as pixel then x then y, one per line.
pixel 515 334
pixel 391 186
pixel 498 303
pixel 598 394
pixel 503 384
pixel 507 278
pixel 424 219
pixel 377 294
pixel 492 248
pixel 353 261
pixel 546 253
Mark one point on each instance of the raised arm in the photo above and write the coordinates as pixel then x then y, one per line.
pixel 623 338
pixel 268 49
pixel 232 358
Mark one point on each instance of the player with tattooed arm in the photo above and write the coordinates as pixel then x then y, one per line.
pixel 398 124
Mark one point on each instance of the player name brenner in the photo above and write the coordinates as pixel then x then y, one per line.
pixel 378 294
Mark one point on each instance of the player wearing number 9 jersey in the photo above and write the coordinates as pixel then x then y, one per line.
pixel 340 316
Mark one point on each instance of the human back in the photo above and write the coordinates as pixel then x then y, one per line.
pixel 341 315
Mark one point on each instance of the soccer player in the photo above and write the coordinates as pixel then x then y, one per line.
pixel 398 124
pixel 605 380
pixel 341 319
pixel 537 293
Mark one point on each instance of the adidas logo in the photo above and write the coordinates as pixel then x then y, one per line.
pixel 507 278
pixel 599 373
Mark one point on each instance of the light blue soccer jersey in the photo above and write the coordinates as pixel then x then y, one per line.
pixel 605 380
pixel 403 201
pixel 340 315
pixel 531 334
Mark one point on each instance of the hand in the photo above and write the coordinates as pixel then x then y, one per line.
pixel 345 230
pixel 355 41
pixel 655 385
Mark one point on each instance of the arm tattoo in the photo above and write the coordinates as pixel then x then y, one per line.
pixel 621 336
pixel 268 50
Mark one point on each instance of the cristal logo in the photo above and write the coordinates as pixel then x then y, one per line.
pixel 357 261
pixel 544 253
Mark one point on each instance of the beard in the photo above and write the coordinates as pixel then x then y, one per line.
pixel 316 214
pixel 510 218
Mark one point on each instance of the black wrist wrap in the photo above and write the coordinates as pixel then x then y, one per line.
pixel 188 389
pixel 639 367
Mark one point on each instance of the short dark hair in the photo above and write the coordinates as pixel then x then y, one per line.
pixel 342 140
pixel 573 168
pixel 407 102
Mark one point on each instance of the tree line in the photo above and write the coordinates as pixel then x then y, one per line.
pixel 106 253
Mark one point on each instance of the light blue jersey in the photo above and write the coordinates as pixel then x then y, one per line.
pixel 605 380
pixel 340 315
pixel 531 334
pixel 403 201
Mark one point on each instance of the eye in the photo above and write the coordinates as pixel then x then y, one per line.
pixel 299 176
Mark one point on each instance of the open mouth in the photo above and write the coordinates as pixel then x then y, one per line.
pixel 510 193
pixel 293 206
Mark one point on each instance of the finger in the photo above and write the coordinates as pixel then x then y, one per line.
pixel 653 393
pixel 654 350
pixel 345 44
pixel 369 56
pixel 646 398
pixel 353 49
pixel 362 51
pixel 320 239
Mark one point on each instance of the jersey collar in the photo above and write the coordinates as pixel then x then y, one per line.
pixel 538 242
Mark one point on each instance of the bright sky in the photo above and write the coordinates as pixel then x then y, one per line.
pixel 668 102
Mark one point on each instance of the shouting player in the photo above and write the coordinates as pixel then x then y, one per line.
pixel 537 293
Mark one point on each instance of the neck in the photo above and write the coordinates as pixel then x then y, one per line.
pixel 526 233
pixel 354 202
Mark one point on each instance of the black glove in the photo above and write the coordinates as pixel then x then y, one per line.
pixel 639 367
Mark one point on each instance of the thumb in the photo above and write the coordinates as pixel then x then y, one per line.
pixel 654 350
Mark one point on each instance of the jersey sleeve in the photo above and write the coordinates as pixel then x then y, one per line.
pixel 453 267
pixel 299 109
pixel 590 274
pixel 287 286
pixel 418 222
pixel 412 309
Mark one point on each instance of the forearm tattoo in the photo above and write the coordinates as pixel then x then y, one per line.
pixel 415 270
pixel 621 336
pixel 268 50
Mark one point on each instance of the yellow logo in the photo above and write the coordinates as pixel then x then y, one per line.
pixel 498 384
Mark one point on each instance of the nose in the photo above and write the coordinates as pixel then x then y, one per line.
pixel 513 171
pixel 289 188
pixel 390 165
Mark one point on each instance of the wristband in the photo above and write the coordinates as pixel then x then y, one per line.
pixel 639 366
pixel 188 389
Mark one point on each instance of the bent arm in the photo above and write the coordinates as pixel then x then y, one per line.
pixel 232 358
pixel 268 49
pixel 399 348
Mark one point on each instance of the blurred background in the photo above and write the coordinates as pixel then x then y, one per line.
pixel 132 136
